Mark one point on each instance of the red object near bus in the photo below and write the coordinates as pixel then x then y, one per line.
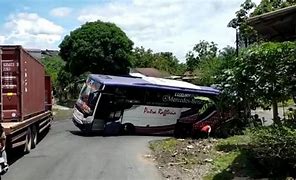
pixel 206 129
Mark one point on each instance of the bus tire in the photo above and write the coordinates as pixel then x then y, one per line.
pixel 128 129
pixel 178 132
pixel 28 143
pixel 182 130
pixel 34 136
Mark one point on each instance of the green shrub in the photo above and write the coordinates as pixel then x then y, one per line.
pixel 273 149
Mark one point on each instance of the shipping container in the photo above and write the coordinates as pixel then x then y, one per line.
pixel 22 84
pixel 25 99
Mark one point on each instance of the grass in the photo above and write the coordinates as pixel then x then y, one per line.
pixel 229 156
pixel 225 153
pixel 235 140
pixel 67 103
pixel 233 143
pixel 288 103
pixel 62 114
pixel 167 145
pixel 231 159
pixel 221 165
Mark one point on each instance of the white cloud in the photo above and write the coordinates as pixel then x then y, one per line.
pixel 169 25
pixel 61 11
pixel 2 39
pixel 31 30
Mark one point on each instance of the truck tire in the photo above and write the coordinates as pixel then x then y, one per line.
pixel 34 136
pixel 28 144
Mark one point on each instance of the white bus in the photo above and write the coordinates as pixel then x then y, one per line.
pixel 142 105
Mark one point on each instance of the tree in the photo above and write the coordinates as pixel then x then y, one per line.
pixel 64 79
pixel 227 53
pixel 164 61
pixel 263 75
pixel 246 34
pixel 142 58
pixel 97 47
pixel 209 70
pixel 201 52
pixel 271 5
pixel 53 64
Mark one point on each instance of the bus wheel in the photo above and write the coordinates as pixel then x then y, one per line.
pixel 28 144
pixel 34 137
pixel 178 130
pixel 182 130
pixel 128 129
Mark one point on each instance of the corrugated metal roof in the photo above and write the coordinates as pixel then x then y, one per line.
pixel 279 25
pixel 272 14
pixel 151 72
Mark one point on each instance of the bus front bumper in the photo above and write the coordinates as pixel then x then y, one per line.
pixel 85 127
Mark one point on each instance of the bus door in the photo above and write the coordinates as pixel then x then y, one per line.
pixel 109 109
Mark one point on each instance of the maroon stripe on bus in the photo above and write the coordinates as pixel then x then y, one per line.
pixel 156 129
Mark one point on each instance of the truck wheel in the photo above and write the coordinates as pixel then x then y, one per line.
pixel 128 129
pixel 34 137
pixel 28 144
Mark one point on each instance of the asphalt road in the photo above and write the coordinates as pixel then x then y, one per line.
pixel 64 154
pixel 268 114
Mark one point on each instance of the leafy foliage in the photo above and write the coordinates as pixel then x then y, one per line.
pixel 201 52
pixel 272 5
pixel 69 85
pixel 274 150
pixel 209 70
pixel 247 35
pixel 164 61
pixel 53 65
pixel 97 47
pixel 262 75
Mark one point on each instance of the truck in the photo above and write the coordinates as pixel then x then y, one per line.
pixel 25 98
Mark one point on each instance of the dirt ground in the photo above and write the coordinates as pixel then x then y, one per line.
pixel 183 158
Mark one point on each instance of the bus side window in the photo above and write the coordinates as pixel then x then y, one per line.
pixel 135 95
pixel 154 97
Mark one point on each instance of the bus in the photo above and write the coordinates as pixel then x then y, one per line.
pixel 143 105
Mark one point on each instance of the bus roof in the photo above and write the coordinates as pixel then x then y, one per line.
pixel 152 82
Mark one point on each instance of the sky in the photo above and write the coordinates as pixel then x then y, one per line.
pixel 161 25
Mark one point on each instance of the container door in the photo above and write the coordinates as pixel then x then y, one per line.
pixel 1 106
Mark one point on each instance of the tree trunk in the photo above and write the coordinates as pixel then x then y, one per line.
pixel 276 118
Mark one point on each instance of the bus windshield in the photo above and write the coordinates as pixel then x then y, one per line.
pixel 88 97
